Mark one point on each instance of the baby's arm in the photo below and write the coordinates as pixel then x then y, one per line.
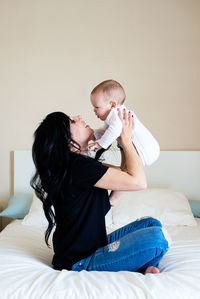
pixel 99 132
pixel 95 146
pixel 112 132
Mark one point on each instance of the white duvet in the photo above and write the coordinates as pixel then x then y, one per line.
pixel 26 272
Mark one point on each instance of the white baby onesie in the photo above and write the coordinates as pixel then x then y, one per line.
pixel 145 144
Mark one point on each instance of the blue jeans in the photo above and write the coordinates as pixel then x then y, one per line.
pixel 133 247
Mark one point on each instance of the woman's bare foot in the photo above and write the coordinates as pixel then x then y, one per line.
pixel 153 270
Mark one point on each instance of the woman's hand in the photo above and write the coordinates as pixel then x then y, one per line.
pixel 127 125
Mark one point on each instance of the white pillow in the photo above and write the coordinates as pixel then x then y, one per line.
pixel 169 206
pixel 36 216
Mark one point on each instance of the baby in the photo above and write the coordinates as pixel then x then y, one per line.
pixel 106 98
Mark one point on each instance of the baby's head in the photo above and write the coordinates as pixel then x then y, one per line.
pixel 105 96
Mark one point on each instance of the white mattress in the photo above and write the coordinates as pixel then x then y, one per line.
pixel 26 272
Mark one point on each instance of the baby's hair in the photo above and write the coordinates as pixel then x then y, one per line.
pixel 112 90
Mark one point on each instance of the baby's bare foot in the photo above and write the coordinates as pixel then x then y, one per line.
pixel 153 270
pixel 113 201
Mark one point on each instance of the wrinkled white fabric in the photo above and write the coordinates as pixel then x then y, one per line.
pixel 26 272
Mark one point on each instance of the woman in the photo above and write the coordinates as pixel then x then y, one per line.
pixel 75 185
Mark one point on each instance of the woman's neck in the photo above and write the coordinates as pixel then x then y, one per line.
pixel 84 149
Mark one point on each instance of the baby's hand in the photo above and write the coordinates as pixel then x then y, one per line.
pixel 94 146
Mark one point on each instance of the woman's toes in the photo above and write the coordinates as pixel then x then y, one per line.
pixel 153 270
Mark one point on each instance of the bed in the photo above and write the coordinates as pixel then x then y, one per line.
pixel 173 188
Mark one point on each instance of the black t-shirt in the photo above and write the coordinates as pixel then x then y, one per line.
pixel 80 214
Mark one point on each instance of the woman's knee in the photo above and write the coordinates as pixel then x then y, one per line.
pixel 158 239
pixel 161 238
pixel 155 222
pixel 150 221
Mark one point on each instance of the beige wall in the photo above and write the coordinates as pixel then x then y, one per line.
pixel 53 53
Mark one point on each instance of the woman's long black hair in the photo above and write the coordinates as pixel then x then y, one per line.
pixel 51 156
pixel 51 152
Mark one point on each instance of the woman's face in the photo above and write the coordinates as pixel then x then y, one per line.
pixel 80 131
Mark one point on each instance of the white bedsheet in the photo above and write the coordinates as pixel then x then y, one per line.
pixel 26 272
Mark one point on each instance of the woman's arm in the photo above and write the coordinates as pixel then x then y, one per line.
pixel 134 178
pixel 115 179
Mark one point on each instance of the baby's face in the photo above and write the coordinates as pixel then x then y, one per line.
pixel 101 106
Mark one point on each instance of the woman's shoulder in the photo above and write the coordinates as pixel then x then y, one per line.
pixel 86 171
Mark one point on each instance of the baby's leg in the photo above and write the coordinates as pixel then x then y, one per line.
pixel 114 196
